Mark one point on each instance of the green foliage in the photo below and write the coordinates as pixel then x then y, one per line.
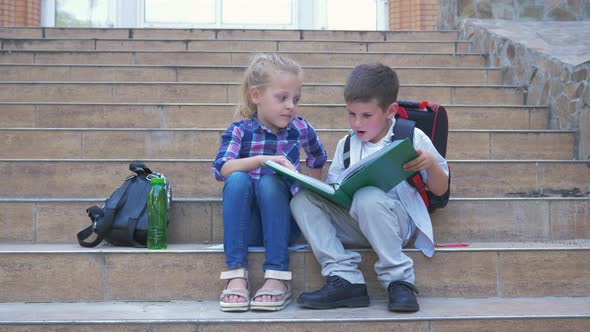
pixel 67 20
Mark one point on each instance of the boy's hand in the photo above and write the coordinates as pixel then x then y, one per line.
pixel 281 160
pixel 423 161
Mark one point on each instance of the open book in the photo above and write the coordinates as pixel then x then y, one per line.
pixel 382 169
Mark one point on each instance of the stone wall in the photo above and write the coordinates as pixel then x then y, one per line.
pixel 447 14
pixel 525 10
pixel 562 83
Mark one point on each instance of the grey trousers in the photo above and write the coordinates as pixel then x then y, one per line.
pixel 374 220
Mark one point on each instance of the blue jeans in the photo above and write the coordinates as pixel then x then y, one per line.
pixel 257 213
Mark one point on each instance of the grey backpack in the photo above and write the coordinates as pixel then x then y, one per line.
pixel 123 219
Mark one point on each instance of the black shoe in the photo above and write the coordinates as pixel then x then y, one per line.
pixel 337 292
pixel 402 297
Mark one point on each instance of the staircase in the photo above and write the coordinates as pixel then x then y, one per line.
pixel 77 105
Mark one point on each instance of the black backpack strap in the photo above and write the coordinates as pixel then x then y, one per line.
pixel 139 168
pixel 131 226
pixel 94 212
pixel 106 216
pixel 139 195
pixel 346 152
pixel 403 128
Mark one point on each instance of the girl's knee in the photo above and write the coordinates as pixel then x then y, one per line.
pixel 237 182
pixel 238 179
pixel 271 183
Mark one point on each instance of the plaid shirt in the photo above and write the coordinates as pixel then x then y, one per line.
pixel 248 138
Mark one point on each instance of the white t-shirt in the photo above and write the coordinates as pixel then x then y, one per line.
pixel 409 197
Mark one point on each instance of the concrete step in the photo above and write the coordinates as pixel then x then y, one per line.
pixel 241 58
pixel 199 220
pixel 436 314
pixel 172 115
pixel 192 178
pixel 68 272
pixel 121 33
pixel 144 73
pixel 206 92
pixel 200 143
pixel 257 45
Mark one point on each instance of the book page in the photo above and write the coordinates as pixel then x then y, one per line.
pixel 353 169
pixel 383 169
pixel 306 179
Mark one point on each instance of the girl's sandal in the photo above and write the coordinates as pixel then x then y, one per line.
pixel 242 292
pixel 284 296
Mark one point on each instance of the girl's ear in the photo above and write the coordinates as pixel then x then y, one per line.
pixel 392 110
pixel 255 95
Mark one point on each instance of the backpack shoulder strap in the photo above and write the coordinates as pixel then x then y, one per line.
pixel 136 207
pixel 106 216
pixel 346 152
pixel 94 212
pixel 403 128
pixel 139 168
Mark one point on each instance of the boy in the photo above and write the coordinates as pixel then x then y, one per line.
pixel 385 221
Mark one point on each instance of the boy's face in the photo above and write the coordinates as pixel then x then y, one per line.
pixel 277 102
pixel 369 121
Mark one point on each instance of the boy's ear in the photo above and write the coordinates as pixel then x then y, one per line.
pixel 392 110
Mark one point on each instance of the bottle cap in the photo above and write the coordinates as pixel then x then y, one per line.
pixel 157 181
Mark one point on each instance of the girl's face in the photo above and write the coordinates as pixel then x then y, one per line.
pixel 277 102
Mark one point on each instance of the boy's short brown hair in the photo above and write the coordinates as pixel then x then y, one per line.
pixel 372 81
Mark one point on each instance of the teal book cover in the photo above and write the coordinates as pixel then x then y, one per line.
pixel 382 169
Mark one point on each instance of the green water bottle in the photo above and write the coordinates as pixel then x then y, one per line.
pixel 157 215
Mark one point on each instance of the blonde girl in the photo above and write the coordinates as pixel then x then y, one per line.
pixel 255 200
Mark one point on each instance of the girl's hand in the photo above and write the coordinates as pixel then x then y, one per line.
pixel 423 161
pixel 281 160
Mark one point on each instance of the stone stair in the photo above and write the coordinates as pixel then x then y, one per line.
pixel 232 73
pixel 77 105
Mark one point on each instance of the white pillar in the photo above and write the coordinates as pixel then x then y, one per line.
pixel 129 14
pixel 306 15
pixel 383 15
pixel 47 13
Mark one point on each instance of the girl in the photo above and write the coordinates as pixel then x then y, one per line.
pixel 255 200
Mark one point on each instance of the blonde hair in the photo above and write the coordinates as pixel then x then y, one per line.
pixel 259 74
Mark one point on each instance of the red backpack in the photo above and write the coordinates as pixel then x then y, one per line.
pixel 432 119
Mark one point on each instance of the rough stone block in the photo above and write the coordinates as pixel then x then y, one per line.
pixel 524 325
pixel 17 116
pixel 584 133
pixel 570 220
pixel 532 11
pixel 97 116
pixel 532 146
pixel 473 221
pixel 17 222
pixel 39 144
pixel 59 223
pixel 528 274
pixel 193 223
pixel 560 14
pixel 51 277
